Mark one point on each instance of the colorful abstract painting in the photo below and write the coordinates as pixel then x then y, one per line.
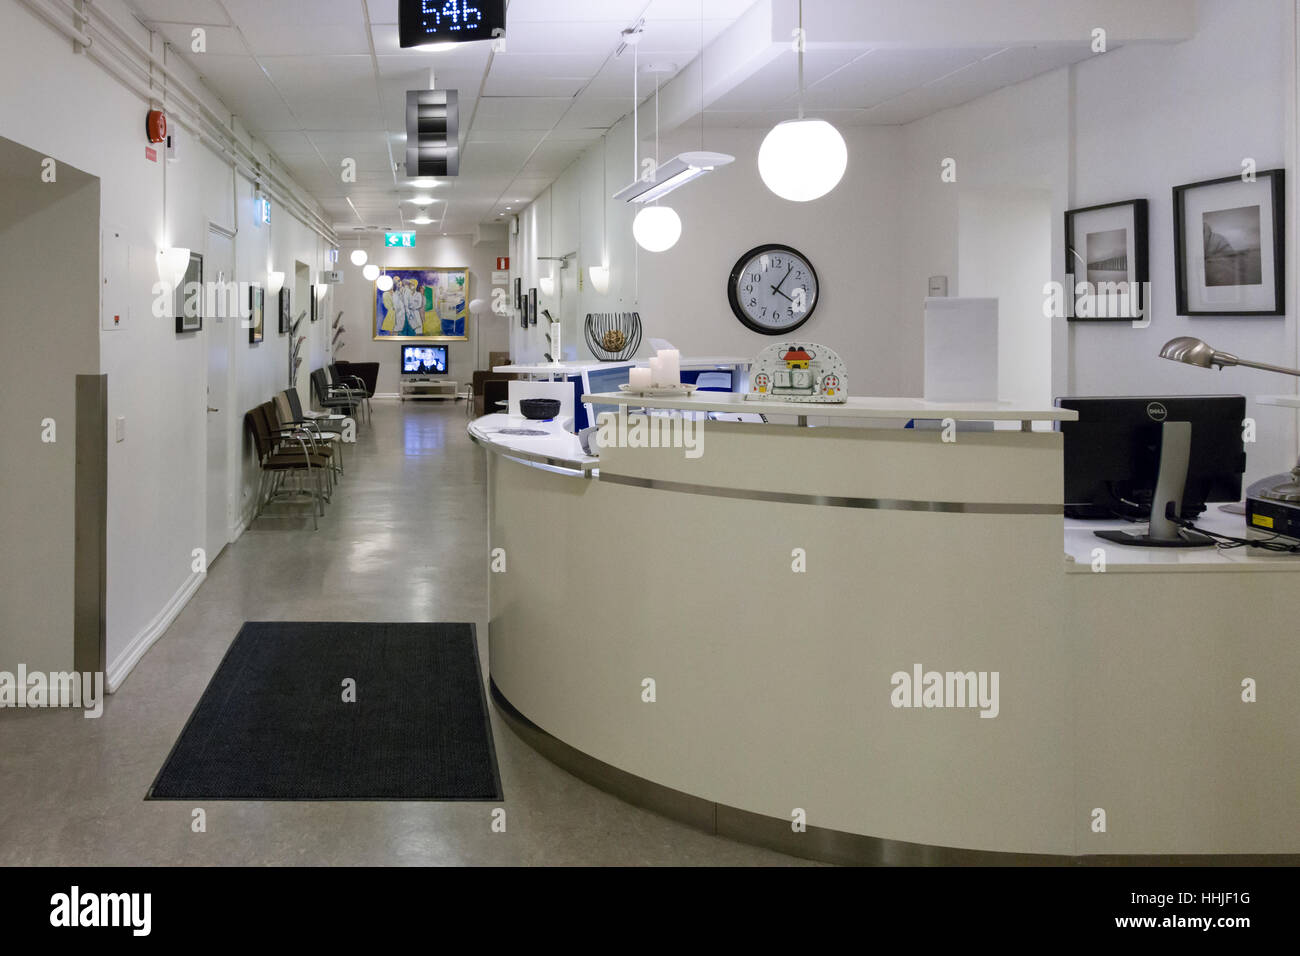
pixel 424 305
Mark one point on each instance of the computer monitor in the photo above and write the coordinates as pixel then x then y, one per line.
pixel 1122 448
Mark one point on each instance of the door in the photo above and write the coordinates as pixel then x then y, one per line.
pixel 218 267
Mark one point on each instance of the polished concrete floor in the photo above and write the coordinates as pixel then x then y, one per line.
pixel 403 540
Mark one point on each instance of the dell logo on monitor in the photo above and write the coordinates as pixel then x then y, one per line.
pixel 1157 412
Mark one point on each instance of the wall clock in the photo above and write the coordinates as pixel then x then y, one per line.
pixel 773 289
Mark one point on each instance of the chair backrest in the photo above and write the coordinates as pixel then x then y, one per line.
pixel 255 419
pixel 282 408
pixel 273 419
pixel 295 403
pixel 320 385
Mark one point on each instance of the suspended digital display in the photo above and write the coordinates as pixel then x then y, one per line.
pixel 423 22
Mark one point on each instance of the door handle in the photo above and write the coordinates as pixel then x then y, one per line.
pixel 211 409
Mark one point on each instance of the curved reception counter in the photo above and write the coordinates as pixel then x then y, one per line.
pixel 869 644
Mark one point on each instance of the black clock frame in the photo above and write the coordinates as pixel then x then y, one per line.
pixel 739 268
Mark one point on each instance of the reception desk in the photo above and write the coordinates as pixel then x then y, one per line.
pixel 869 645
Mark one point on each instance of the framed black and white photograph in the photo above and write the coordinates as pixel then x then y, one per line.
pixel 1229 245
pixel 1106 252
pixel 189 297
pixel 532 306
pixel 285 318
pixel 519 292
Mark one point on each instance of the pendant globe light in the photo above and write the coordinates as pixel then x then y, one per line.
pixel 656 228
pixel 802 159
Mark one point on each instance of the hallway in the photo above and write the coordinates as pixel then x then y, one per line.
pixel 403 540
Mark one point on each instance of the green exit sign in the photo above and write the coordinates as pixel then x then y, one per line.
pixel 401 240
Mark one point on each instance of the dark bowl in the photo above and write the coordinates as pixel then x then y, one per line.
pixel 539 409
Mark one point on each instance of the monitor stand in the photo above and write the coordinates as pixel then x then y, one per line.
pixel 1171 479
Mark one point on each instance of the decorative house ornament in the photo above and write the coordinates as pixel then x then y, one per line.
pixel 798 372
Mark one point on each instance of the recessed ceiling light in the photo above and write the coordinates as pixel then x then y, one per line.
pixel 422 221
pixel 421 200
pixel 424 183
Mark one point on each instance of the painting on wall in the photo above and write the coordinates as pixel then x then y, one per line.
pixel 424 305
pixel 1229 239
pixel 1106 252
pixel 189 297
pixel 256 313
pixel 286 319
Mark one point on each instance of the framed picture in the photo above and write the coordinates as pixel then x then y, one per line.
pixel 256 313
pixel 519 292
pixel 1229 245
pixel 286 319
pixel 532 306
pixel 1106 252
pixel 424 305
pixel 311 294
pixel 189 297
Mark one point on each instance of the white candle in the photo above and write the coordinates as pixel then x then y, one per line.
pixel 557 353
pixel 638 378
pixel 670 363
pixel 656 371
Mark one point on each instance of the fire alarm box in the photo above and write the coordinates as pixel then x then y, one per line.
pixel 155 126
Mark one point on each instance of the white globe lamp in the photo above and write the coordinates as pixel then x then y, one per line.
pixel 384 283
pixel 359 257
pixel 371 272
pixel 657 228
pixel 802 159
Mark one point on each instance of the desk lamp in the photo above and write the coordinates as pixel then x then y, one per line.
pixel 1192 351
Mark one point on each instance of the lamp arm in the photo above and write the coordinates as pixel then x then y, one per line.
pixel 1266 367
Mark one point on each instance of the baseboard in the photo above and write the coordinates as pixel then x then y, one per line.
pixel 120 668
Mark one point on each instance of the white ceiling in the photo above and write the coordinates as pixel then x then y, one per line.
pixel 323 80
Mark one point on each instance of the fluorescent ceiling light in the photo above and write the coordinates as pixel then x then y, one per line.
pixel 422 221
pixel 424 183
pixel 422 200
pixel 678 171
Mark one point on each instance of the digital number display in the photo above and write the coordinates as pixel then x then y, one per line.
pixel 449 21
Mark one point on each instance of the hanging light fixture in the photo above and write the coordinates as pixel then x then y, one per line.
pixel 384 283
pixel 359 256
pixel 656 228
pixel 371 272
pixel 802 159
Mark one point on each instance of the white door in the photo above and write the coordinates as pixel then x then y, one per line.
pixel 218 266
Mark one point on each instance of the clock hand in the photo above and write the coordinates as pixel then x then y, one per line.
pixel 777 287
pixel 781 294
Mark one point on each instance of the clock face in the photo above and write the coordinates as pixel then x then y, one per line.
pixel 773 289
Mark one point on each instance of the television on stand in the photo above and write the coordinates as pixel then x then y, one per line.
pixel 423 361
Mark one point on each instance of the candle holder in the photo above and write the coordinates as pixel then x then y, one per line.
pixel 612 336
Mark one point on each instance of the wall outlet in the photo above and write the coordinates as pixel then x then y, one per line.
pixel 938 287
pixel 119 428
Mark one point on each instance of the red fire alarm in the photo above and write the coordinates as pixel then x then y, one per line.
pixel 155 125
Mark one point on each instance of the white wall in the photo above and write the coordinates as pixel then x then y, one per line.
pixel 851 237
pixel 70 109
pixel 43 347
pixel 487 333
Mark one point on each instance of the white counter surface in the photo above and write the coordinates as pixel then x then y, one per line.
pixel 1080 542
pixel 558 448
pixel 572 368
pixel 855 407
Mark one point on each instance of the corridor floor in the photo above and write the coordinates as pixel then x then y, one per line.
pixel 403 540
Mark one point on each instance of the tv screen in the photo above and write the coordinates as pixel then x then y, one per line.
pixel 424 360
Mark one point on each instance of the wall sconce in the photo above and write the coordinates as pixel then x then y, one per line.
pixel 172 264
pixel 274 282
pixel 547 285
pixel 599 278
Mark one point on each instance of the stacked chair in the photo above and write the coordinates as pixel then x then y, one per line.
pixel 305 445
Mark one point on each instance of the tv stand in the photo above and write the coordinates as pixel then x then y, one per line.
pixel 428 388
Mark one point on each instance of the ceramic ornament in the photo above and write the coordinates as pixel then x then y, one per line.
pixel 798 372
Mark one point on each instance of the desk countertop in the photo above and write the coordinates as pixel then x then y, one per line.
pixel 1080 543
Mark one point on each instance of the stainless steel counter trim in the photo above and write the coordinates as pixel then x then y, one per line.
pixel 580 468
pixel 836 501
pixel 818 843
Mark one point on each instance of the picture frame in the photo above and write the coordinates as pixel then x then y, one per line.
pixel 189 297
pixel 1107 252
pixel 519 292
pixel 424 305
pixel 256 314
pixel 1230 245
pixel 532 306
pixel 311 294
pixel 286 317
